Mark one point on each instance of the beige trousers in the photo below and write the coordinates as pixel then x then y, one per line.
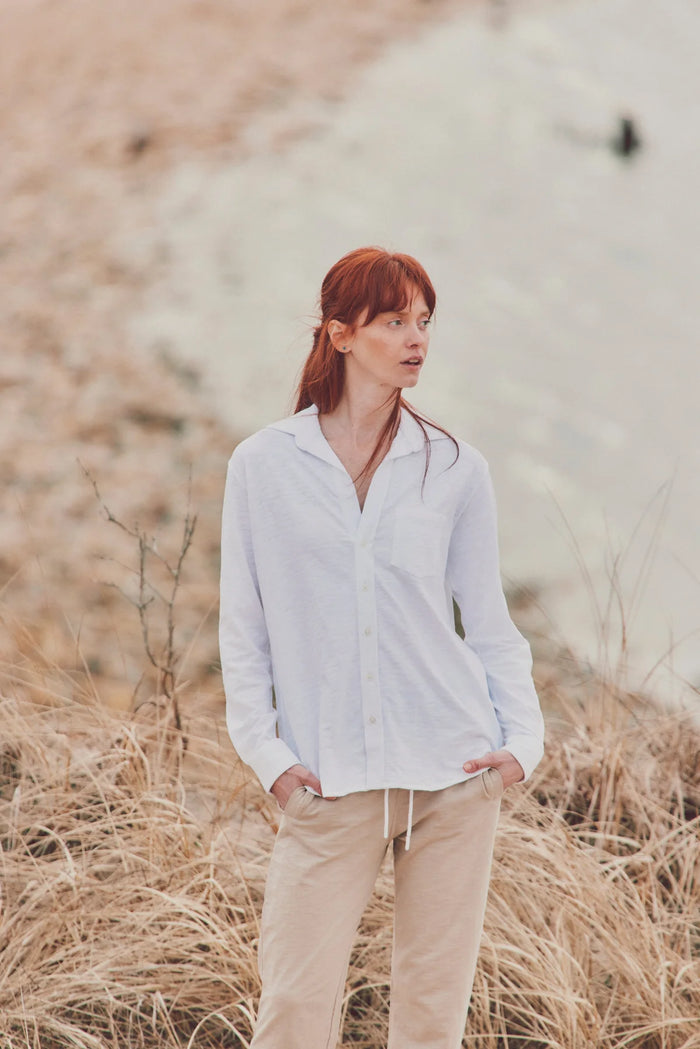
pixel 324 864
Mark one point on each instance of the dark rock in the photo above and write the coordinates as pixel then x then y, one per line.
pixel 626 140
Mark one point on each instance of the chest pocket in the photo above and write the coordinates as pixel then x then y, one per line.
pixel 419 543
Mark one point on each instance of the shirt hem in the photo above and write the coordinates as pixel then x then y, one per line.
pixel 336 792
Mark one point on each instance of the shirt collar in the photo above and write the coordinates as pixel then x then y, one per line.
pixel 305 428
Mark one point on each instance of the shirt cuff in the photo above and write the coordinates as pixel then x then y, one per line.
pixel 527 750
pixel 271 760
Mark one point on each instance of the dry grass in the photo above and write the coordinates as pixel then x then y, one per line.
pixel 133 883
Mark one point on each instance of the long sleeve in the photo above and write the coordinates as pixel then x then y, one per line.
pixel 244 643
pixel 474 577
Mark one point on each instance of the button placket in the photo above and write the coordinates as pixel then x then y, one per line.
pixel 367 622
pixel 369 663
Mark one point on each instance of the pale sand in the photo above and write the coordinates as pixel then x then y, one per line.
pixel 565 340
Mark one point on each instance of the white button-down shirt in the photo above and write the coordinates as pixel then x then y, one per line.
pixel 348 614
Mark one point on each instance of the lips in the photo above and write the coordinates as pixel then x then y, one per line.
pixel 413 360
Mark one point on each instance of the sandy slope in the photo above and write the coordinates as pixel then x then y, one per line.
pixel 96 102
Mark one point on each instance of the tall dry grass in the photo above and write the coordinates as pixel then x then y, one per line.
pixel 133 880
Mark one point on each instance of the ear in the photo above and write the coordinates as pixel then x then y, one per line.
pixel 338 334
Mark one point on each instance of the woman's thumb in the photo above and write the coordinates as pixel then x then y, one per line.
pixel 484 762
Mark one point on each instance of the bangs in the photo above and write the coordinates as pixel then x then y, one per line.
pixel 371 281
pixel 391 283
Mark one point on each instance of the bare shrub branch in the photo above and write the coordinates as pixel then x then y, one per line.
pixel 164 657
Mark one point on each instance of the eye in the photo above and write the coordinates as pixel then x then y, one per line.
pixel 396 320
pixel 425 323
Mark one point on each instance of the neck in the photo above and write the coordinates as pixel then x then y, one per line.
pixel 361 414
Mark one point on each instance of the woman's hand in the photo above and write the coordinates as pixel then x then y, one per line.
pixel 296 776
pixel 509 767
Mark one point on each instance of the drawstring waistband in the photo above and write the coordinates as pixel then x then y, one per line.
pixel 410 816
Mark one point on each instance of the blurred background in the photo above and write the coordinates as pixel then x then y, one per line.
pixel 177 178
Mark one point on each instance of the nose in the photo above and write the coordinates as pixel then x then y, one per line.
pixel 417 336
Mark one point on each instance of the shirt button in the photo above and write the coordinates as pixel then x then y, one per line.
pixel 372 720
pixel 368 631
pixel 365 586
pixel 370 677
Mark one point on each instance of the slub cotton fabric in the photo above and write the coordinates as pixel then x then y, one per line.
pixel 349 616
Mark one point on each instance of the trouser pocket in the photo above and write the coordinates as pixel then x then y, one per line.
pixel 492 784
pixel 296 800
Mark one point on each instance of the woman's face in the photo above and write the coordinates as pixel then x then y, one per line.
pixel 391 349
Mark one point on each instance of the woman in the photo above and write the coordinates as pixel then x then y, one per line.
pixel 347 531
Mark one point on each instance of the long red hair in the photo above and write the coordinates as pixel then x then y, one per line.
pixel 377 281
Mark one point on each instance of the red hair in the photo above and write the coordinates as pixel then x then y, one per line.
pixel 377 281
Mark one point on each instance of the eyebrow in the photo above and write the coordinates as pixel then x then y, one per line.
pixel 404 313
